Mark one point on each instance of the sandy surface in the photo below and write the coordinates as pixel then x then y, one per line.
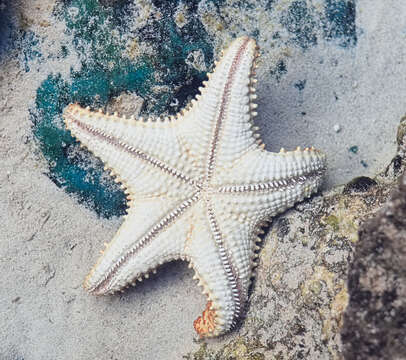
pixel 48 241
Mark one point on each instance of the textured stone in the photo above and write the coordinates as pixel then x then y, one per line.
pixel 375 321
pixel 359 184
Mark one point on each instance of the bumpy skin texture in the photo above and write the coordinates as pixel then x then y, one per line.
pixel 200 186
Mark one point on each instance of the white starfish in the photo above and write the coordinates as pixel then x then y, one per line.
pixel 200 186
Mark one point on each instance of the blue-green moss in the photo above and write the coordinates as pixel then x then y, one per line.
pixel 29 49
pixel 6 29
pixel 301 24
pixel 353 149
pixel 300 85
pixel 340 22
pixel 279 70
pixel 173 45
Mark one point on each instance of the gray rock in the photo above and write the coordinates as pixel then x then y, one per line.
pixel 375 321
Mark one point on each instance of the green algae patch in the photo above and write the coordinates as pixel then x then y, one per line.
pixel 238 349
pixel 173 46
pixel 337 22
pixel 69 167
pixel 6 28
pixel 340 22
pixel 301 24
pixel 333 221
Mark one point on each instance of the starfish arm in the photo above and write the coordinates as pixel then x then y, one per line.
pixel 219 123
pixel 134 151
pixel 260 166
pixel 221 253
pixel 263 184
pixel 153 232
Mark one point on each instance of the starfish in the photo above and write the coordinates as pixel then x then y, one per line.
pixel 200 187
